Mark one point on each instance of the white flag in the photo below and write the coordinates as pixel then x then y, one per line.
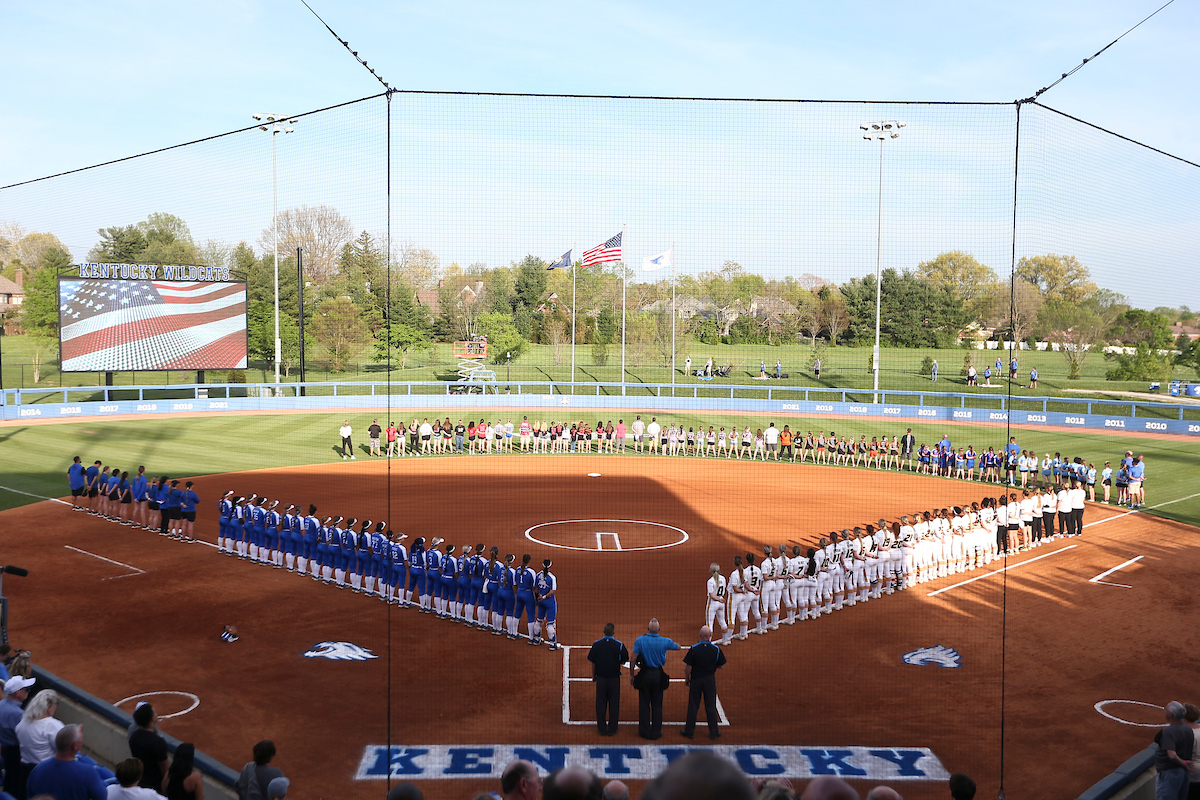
pixel 660 261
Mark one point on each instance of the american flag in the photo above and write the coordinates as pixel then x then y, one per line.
pixel 122 325
pixel 605 253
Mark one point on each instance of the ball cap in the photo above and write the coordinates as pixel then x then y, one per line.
pixel 278 787
pixel 16 683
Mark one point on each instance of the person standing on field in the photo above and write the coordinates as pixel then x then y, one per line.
pixel 607 655
pixel 373 436
pixel 347 446
pixel 700 676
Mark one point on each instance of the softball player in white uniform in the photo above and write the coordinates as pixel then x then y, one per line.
pixel 738 584
pixel 772 591
pixel 860 550
pixel 718 594
pixel 791 589
pixel 753 598
pixel 806 586
pixel 824 592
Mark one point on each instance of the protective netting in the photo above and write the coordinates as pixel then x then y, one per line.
pixel 777 216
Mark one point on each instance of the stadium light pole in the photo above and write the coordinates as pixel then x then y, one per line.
pixel 882 131
pixel 273 124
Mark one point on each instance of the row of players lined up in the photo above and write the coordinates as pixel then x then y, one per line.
pixel 1012 464
pixel 475 587
pixel 159 504
pixel 867 562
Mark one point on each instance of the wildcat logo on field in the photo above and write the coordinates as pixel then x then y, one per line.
pixel 939 654
pixel 340 651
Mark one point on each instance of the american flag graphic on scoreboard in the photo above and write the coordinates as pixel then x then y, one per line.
pixel 121 325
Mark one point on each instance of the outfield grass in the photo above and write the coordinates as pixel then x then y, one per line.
pixel 842 367
pixel 38 455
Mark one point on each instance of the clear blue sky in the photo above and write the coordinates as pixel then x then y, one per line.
pixel 90 82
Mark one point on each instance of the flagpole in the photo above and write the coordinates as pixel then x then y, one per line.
pixel 623 282
pixel 574 271
pixel 672 319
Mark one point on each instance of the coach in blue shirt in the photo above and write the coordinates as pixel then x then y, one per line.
pixel 650 679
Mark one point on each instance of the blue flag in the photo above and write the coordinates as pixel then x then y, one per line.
pixel 562 263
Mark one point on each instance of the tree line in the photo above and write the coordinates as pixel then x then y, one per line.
pixel 358 295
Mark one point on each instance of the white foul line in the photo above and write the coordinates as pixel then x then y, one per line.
pixel 1180 500
pixel 600 542
pixel 1108 572
pixel 998 571
pixel 31 494
pixel 136 571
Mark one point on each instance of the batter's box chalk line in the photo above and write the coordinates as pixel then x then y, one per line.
pixel 723 720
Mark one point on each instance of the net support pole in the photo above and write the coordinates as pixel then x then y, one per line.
pixel 878 280
pixel 624 281
pixel 275 235
pixel 673 312
pixel 300 309
pixel 574 274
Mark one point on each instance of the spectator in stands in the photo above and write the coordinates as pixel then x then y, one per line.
pixel 776 789
pixel 16 692
pixel 182 781
pixel 1175 745
pixel 961 787
pixel 572 783
pixel 406 791
pixel 700 776
pixel 62 777
pixel 129 772
pixel 277 789
pixel 257 775
pixel 38 727
pixel 883 793
pixel 1192 716
pixel 149 747
pixel 616 790
pixel 5 657
pixel 520 781
pixel 827 788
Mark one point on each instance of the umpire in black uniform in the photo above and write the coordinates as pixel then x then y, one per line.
pixel 700 675
pixel 607 655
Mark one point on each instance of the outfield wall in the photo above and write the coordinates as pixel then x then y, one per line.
pixel 911 408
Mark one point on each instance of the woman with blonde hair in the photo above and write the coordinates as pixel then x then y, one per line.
pixel 38 727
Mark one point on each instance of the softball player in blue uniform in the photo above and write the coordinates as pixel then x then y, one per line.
pixel 306 556
pixel 327 549
pixel 491 613
pixel 269 550
pixel 397 569
pixel 416 571
pixel 463 596
pixel 526 604
pixel 345 551
pixel 379 545
pixel 506 598
pixel 433 577
pixel 258 529
pixel 171 515
pixel 477 615
pixel 546 587
pixel 365 555
pixel 450 568
pixel 224 515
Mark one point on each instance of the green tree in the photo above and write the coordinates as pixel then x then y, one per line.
pixel 1143 364
pixel 1076 328
pixel 362 270
pixel 914 312
pixel 402 340
pixel 39 311
pixel 1136 326
pixel 965 277
pixel 529 282
pixel 607 327
pixel 161 238
pixel 338 326
pixel 1059 277
pixel 502 337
